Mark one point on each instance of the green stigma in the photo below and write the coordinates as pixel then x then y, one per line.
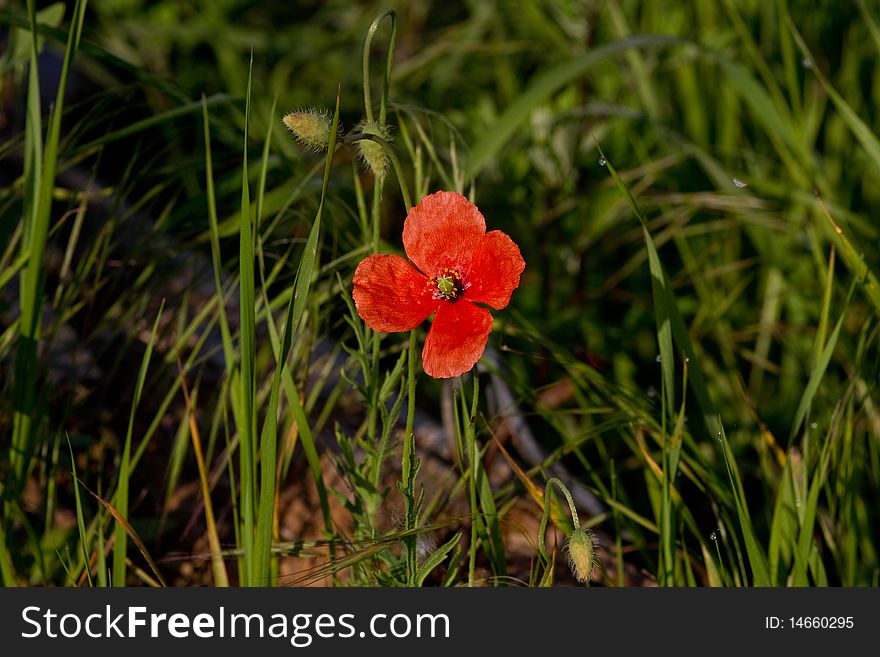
pixel 445 284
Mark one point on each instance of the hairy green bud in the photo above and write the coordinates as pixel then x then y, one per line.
pixel 373 153
pixel 310 127
pixel 581 554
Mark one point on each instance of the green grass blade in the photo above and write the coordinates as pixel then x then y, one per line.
pixel 40 165
pixel 14 267
pixel 247 349
pixel 25 362
pixel 818 373
pixel 806 546
pixel 859 128
pixel 765 111
pixel 783 527
pixel 825 312
pixel 873 28
pixel 264 162
pixel 757 557
pixel 671 456
pixel 120 510
pixel 7 567
pixel 299 300
pixel 268 465
pixel 80 521
pixel 126 527
pixel 643 83
pixel 101 549
pixel 670 324
pixel 295 312
pixel 225 334
pixel 301 288
pixel 769 85
pixel 854 260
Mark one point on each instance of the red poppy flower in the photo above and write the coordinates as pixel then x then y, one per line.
pixel 457 264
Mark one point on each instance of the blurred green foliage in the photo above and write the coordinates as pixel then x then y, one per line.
pixel 732 126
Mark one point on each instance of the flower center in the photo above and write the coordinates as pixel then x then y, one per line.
pixel 447 285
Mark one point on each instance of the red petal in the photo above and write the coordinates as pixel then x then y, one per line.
pixel 495 270
pixel 390 295
pixel 456 340
pixel 442 231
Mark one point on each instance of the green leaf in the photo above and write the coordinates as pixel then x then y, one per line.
pixel 436 558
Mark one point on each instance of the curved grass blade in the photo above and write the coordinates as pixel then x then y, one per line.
pixel 859 128
pixel 855 262
pixel 268 440
pixel 130 532
pixel 670 325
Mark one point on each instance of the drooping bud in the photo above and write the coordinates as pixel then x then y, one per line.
pixel 372 153
pixel 581 546
pixel 310 126
pixel 581 554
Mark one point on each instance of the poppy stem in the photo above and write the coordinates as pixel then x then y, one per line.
pixel 473 457
pixel 376 212
pixel 373 388
pixel 368 43
pixel 409 467
pixel 548 504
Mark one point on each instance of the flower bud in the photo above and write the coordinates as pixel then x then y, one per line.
pixel 310 126
pixel 372 153
pixel 581 554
